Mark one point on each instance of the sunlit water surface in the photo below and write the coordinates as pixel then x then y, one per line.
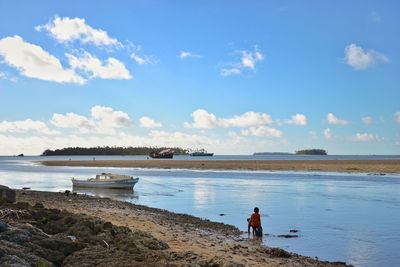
pixel 341 217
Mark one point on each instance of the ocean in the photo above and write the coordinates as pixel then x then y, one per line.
pixel 340 217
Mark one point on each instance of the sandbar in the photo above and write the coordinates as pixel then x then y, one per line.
pixel 375 167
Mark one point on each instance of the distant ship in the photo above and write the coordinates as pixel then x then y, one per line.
pixel 201 153
pixel 163 154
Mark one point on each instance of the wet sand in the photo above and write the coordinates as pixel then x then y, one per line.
pixel 197 239
pixel 363 166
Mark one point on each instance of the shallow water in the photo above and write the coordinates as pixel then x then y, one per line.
pixel 341 217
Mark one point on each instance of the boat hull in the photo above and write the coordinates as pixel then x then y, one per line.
pixel 156 155
pixel 119 184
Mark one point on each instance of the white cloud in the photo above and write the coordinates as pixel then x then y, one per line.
pixel 108 127
pixel 247 119
pixel 32 61
pixel 365 137
pixel 248 60
pixel 71 120
pixel 36 144
pixel 111 69
pixel 147 122
pixel 357 58
pixel 331 119
pixel 328 134
pixel 8 77
pixel 375 17
pixel 32 145
pixel 138 56
pixel 202 120
pixel 103 120
pixel 109 118
pixel 298 119
pixel 313 135
pixel 163 138
pixel 67 29
pixel 262 131
pixel 367 120
pixel 24 126
pixel 397 117
pixel 187 54
pixel 230 71
pixel 143 59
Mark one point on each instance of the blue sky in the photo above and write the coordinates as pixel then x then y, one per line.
pixel 234 77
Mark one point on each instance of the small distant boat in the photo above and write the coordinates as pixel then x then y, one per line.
pixel 107 180
pixel 163 154
pixel 201 153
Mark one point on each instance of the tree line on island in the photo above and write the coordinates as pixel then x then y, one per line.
pixel 110 151
pixel 311 152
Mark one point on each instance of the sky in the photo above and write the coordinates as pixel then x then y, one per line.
pixel 232 77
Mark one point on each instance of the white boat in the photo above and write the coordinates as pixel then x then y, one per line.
pixel 107 180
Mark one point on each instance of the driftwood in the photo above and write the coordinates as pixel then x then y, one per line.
pixel 13 215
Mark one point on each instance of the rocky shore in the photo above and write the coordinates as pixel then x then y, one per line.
pixel 58 229
pixel 375 167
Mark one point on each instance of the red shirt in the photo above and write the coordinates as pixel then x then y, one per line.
pixel 255 220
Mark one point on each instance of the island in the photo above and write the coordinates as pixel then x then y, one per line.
pixel 110 151
pixel 311 152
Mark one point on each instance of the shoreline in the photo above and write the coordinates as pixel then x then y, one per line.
pixel 348 166
pixel 184 234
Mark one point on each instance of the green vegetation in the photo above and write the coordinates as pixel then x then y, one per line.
pixel 311 152
pixel 110 151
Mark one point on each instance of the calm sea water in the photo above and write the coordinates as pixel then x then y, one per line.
pixel 341 217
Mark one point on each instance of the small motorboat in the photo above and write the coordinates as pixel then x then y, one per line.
pixel 107 180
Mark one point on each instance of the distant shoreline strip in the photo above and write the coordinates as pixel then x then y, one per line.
pixel 353 166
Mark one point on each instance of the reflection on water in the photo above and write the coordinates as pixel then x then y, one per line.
pixel 341 217
pixel 119 194
pixel 203 194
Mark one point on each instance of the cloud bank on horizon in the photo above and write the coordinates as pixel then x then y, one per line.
pixel 272 92
pixel 107 127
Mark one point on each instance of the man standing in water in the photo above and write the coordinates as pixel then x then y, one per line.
pixel 255 223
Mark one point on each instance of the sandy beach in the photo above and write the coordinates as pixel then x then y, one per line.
pixel 364 166
pixel 190 241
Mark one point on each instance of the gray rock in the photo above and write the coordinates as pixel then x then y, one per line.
pixel 14 255
pixel 14 261
pixel 7 194
pixel 3 227
pixel 15 235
